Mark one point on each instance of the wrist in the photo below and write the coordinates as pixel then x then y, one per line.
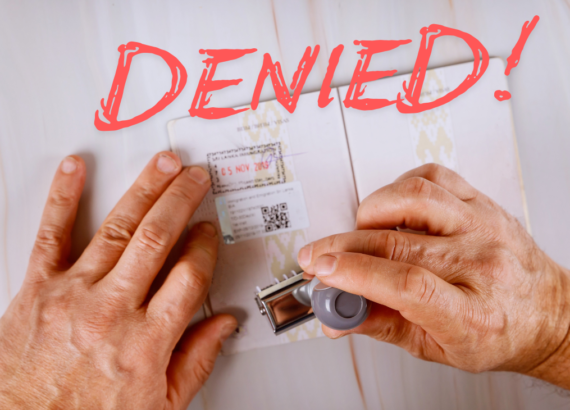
pixel 554 363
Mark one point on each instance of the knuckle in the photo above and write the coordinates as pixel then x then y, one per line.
pixel 53 309
pixel 417 349
pixel 182 193
pixel 200 249
pixel 116 295
pixel 51 313
pixel 195 278
pixel 498 265
pixel 372 246
pixel 332 245
pixel 153 239
pixel 172 311
pixel 62 199
pixel 396 246
pixel 365 210
pixel 415 187
pixel 389 333
pixel 203 368
pixel 118 230
pixel 485 205
pixel 420 345
pixel 434 172
pixel 417 287
pixel 50 237
pixel 332 333
pixel 164 319
pixel 146 193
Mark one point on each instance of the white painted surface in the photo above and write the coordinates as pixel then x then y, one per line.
pixel 58 61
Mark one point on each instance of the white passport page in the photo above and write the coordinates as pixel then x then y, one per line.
pixel 279 181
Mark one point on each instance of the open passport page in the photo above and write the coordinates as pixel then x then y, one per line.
pixel 281 180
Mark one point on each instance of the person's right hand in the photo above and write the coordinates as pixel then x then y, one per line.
pixel 475 292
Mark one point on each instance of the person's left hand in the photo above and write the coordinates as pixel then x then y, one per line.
pixel 87 335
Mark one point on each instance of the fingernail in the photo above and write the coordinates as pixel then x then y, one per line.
pixel 199 174
pixel 207 229
pixel 305 254
pixel 68 165
pixel 325 265
pixel 166 164
pixel 227 330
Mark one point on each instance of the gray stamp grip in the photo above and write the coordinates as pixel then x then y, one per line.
pixel 335 308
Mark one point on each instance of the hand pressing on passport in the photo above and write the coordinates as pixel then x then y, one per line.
pixel 475 292
pixel 87 334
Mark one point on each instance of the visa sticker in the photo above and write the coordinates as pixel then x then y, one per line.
pixel 261 212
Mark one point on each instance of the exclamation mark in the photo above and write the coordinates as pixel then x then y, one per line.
pixel 514 58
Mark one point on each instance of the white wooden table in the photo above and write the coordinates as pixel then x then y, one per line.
pixel 58 60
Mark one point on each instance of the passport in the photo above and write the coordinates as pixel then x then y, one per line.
pixel 281 180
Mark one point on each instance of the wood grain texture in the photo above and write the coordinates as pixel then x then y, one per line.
pixel 58 61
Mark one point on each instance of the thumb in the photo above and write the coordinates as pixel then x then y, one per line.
pixel 193 359
pixel 420 296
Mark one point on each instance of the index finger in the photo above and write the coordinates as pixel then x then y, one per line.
pixel 445 178
pixel 417 204
pixel 421 250
pixel 419 295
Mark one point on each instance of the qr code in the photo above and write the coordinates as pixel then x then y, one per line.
pixel 276 217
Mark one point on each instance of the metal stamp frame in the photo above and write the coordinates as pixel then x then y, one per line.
pixel 267 297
